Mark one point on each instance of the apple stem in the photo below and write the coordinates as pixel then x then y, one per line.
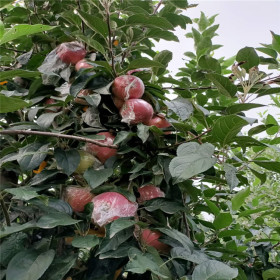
pixel 5 211
pixel 58 135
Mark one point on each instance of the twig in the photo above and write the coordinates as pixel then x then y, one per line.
pixel 107 8
pixel 5 211
pixel 276 245
pixel 58 135
pixel 157 7
pixel 195 137
pixel 186 225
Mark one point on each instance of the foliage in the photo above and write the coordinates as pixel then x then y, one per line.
pixel 207 164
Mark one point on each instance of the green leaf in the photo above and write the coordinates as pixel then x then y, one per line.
pixel 271 273
pixel 194 256
pixel 214 209
pixel 269 165
pixel 68 161
pixel 223 220
pixel 223 84
pixel 122 136
pixel 140 262
pixel 191 160
pixel 29 265
pixel 231 232
pixel 23 193
pixel 275 128
pixel 230 174
pixel 86 242
pixel 261 176
pixel 237 108
pixel 249 56
pixel 52 220
pixel 181 4
pixel 46 120
pixel 143 132
pixel 43 177
pixel 178 236
pixel 11 104
pixel 163 57
pixel 11 246
pixel 163 204
pixel 214 270
pixel 275 42
pixel 5 231
pixel 268 51
pixel 253 211
pixel 118 225
pixel 204 46
pixel 207 62
pixel 59 267
pixel 97 177
pixel 143 63
pixel 203 22
pixel 151 21
pixel 94 23
pixel 180 106
pixel 226 128
pixel 92 43
pixel 23 30
pixel 31 156
pixel 157 33
pixel 6 75
pixel 239 198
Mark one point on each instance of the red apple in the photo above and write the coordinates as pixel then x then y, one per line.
pixel 148 192
pixel 78 197
pixel 159 122
pixel 128 87
pixel 71 52
pixel 51 109
pixel 118 102
pixel 110 206
pixel 83 92
pixel 82 64
pixel 150 238
pixel 136 111
pixel 102 153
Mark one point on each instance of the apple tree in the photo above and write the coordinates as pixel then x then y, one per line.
pixel 112 168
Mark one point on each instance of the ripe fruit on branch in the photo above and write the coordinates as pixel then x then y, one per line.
pixel 150 238
pixel 110 206
pixel 87 160
pixel 83 92
pixel 159 122
pixel 148 192
pixel 136 111
pixel 78 197
pixel 118 102
pixel 82 64
pixel 102 153
pixel 71 52
pixel 128 87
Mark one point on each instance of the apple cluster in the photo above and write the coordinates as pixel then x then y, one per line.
pixel 127 91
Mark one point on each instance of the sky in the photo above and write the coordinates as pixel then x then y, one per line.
pixel 242 23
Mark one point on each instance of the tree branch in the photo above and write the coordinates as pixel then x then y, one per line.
pixel 157 7
pixel 107 8
pixel 5 211
pixel 58 135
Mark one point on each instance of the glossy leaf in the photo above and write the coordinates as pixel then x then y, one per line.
pixel 249 56
pixel 87 242
pixel 239 198
pixel 11 104
pixel 223 220
pixel 97 177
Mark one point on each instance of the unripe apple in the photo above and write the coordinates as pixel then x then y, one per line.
pixel 102 153
pixel 150 238
pixel 136 111
pixel 128 87
pixel 149 192
pixel 83 92
pixel 118 102
pixel 110 206
pixel 82 64
pixel 51 109
pixel 78 197
pixel 71 52
pixel 87 160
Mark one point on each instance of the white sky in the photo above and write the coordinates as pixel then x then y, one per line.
pixel 242 23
